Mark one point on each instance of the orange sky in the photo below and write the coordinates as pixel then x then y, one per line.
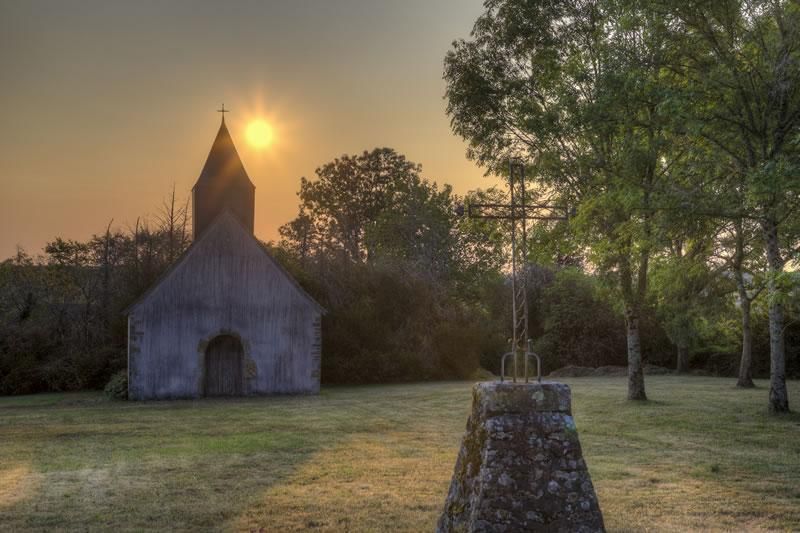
pixel 107 104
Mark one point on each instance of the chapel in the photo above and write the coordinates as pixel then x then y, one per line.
pixel 226 319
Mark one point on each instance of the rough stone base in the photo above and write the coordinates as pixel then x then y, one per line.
pixel 520 467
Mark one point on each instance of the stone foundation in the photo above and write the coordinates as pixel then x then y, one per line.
pixel 520 467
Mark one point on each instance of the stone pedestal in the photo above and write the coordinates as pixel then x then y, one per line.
pixel 520 467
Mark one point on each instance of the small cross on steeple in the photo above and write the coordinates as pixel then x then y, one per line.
pixel 223 111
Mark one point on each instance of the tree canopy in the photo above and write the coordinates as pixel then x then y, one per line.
pixel 661 122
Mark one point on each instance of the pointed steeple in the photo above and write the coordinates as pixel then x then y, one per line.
pixel 223 183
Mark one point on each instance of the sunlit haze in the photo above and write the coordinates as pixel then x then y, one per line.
pixel 260 133
pixel 108 104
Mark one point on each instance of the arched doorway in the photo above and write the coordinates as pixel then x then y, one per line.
pixel 224 366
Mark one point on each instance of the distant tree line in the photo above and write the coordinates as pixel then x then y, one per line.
pixel 62 325
pixel 414 290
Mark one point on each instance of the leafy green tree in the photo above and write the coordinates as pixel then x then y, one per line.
pixel 741 63
pixel 352 192
pixel 300 237
pixel 741 252
pixel 482 245
pixel 688 288
pixel 407 282
pixel 392 212
pixel 579 86
pixel 418 230
pixel 61 314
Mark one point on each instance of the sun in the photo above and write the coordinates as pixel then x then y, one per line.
pixel 259 133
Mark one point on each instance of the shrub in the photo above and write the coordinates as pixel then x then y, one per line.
pixel 581 327
pixel 389 322
pixel 117 386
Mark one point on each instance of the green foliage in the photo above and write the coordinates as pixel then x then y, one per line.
pixel 718 352
pixel 352 192
pixel 406 281
pixel 388 322
pixel 583 89
pixel 668 125
pixel 581 326
pixel 62 325
pixel 480 247
pixel 117 386
pixel 581 323
pixel 417 229
pixel 687 291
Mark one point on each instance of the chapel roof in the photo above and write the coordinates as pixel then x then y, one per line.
pixel 226 222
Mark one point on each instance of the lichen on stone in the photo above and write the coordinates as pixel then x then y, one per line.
pixel 520 466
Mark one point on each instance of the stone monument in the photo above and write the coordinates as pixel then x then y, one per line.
pixel 520 467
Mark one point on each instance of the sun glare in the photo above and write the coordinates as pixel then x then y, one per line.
pixel 259 134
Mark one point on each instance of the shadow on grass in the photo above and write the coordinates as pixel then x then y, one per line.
pixel 699 456
pixel 83 462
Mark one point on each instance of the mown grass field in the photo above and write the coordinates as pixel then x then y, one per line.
pixel 701 455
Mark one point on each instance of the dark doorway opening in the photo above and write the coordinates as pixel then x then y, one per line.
pixel 224 366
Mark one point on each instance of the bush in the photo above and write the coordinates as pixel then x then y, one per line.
pixel 389 322
pixel 117 386
pixel 580 326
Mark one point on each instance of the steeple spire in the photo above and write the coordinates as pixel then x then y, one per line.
pixel 223 184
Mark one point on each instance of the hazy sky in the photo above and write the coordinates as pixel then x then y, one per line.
pixel 107 104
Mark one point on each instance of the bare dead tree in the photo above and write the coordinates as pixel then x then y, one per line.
pixel 173 221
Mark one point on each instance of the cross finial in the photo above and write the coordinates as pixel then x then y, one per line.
pixel 223 111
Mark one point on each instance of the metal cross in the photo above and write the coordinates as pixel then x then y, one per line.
pixel 518 212
pixel 223 111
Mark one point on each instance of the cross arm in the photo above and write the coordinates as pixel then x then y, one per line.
pixel 518 211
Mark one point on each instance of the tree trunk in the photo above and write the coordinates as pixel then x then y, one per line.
pixel 746 364
pixel 778 395
pixel 683 358
pixel 635 371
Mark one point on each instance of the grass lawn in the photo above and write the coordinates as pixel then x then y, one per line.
pixel 700 455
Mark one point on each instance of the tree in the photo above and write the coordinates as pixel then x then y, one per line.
pixel 482 245
pixel 581 326
pixel 741 60
pixel 740 251
pixel 173 220
pixel 61 315
pixel 72 262
pixel 403 278
pixel 578 86
pixel 688 287
pixel 300 237
pixel 418 229
pixel 352 192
